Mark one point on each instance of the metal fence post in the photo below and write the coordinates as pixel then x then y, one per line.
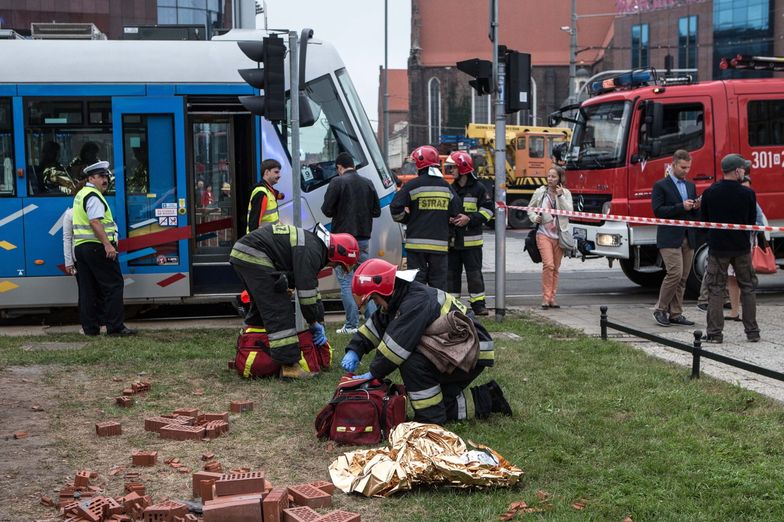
pixel 695 355
pixel 603 321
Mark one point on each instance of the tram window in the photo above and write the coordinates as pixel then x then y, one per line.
pixel 62 138
pixel 330 135
pixel 7 185
pixel 364 127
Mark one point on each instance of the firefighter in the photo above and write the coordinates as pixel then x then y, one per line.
pixel 425 204
pixel 55 178
pixel 465 245
pixel 273 258
pixel 406 308
pixel 263 204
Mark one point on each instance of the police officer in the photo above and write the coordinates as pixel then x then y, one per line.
pixel 95 238
pixel 425 204
pixel 405 310
pixel 465 245
pixel 271 259
pixel 263 204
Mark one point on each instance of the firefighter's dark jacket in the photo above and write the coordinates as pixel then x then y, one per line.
pixel 431 203
pixel 478 206
pixel 396 332
pixel 352 203
pixel 297 254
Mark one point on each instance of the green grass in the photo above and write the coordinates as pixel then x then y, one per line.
pixel 596 422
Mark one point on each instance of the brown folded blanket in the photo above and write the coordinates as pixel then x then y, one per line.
pixel 451 342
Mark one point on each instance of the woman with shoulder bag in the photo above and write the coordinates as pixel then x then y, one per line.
pixel 552 237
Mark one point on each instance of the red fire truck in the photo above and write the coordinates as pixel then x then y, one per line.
pixel 623 142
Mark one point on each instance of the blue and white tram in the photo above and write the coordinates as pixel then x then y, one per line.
pixel 184 152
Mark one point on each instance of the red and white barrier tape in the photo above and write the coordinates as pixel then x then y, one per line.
pixel 645 220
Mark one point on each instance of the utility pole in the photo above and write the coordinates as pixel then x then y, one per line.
pixel 500 170
pixel 295 165
pixel 573 49
pixel 385 123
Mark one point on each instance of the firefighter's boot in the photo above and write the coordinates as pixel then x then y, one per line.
pixel 290 372
pixel 479 308
pixel 499 402
pixel 488 398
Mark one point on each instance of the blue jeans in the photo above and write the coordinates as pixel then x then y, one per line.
pixel 344 278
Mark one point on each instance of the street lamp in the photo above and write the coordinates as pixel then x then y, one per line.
pixel 572 30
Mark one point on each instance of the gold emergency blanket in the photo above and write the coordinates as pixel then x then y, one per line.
pixel 421 454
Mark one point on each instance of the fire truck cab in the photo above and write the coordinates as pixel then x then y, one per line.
pixel 623 142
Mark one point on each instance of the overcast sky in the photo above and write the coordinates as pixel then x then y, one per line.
pixel 356 29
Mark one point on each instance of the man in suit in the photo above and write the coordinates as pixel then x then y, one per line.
pixel 675 198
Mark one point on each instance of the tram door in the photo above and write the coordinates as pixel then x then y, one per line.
pixel 220 168
pixel 149 146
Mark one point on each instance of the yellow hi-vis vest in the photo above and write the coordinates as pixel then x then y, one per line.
pixel 271 212
pixel 82 231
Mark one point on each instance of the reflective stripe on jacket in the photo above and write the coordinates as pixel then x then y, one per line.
pixel 82 230
pixel 430 203
pixel 270 214
pixel 478 206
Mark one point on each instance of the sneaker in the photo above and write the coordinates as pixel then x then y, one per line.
pixel 346 330
pixel 661 318
pixel 702 307
pixel 713 338
pixel 682 321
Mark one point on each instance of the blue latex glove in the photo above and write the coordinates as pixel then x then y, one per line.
pixel 319 334
pixel 350 361
pixel 367 375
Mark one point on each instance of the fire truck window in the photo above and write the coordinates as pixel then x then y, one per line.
pixel 684 128
pixel 766 122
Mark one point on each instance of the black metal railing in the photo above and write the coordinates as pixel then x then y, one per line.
pixel 695 349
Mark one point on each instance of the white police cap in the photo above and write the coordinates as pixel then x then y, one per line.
pixel 100 167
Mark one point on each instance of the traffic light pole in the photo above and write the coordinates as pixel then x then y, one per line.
pixel 296 187
pixel 500 173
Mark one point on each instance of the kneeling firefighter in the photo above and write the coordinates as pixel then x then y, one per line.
pixel 410 316
pixel 273 258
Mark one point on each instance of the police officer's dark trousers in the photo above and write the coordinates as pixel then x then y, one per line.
pixel 432 267
pixel 100 284
pixel 439 397
pixel 471 258
pixel 270 294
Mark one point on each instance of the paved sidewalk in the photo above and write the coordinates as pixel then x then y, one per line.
pixel 768 353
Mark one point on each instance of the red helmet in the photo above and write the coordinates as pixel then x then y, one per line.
pixel 343 249
pixel 374 276
pixel 463 161
pixel 425 156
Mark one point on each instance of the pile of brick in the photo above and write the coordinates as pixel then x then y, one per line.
pixel 189 424
pixel 126 400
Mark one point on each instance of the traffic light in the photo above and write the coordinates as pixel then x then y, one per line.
pixel 271 52
pixel 518 82
pixel 482 70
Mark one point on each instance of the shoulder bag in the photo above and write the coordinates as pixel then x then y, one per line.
pixel 762 258
pixel 531 247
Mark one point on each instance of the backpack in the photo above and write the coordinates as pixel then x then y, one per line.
pixel 362 411
pixel 253 360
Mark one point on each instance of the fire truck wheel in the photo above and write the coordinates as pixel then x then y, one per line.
pixel 644 279
pixel 519 218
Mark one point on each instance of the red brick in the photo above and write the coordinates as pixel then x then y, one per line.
pixel 128 391
pixel 267 486
pixel 108 429
pixel 324 485
pixel 206 490
pixel 187 412
pixel 124 402
pixel 156 423
pixel 274 503
pixel 207 456
pixel 213 466
pixel 245 510
pixel 213 429
pixel 190 517
pixel 82 479
pixel 241 406
pixel 307 495
pixel 141 386
pixel 20 434
pixel 144 458
pixel 138 487
pixel 203 475
pixel 239 483
pixel 300 514
pixel 222 416
pixel 164 511
pixel 340 516
pixel 182 432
